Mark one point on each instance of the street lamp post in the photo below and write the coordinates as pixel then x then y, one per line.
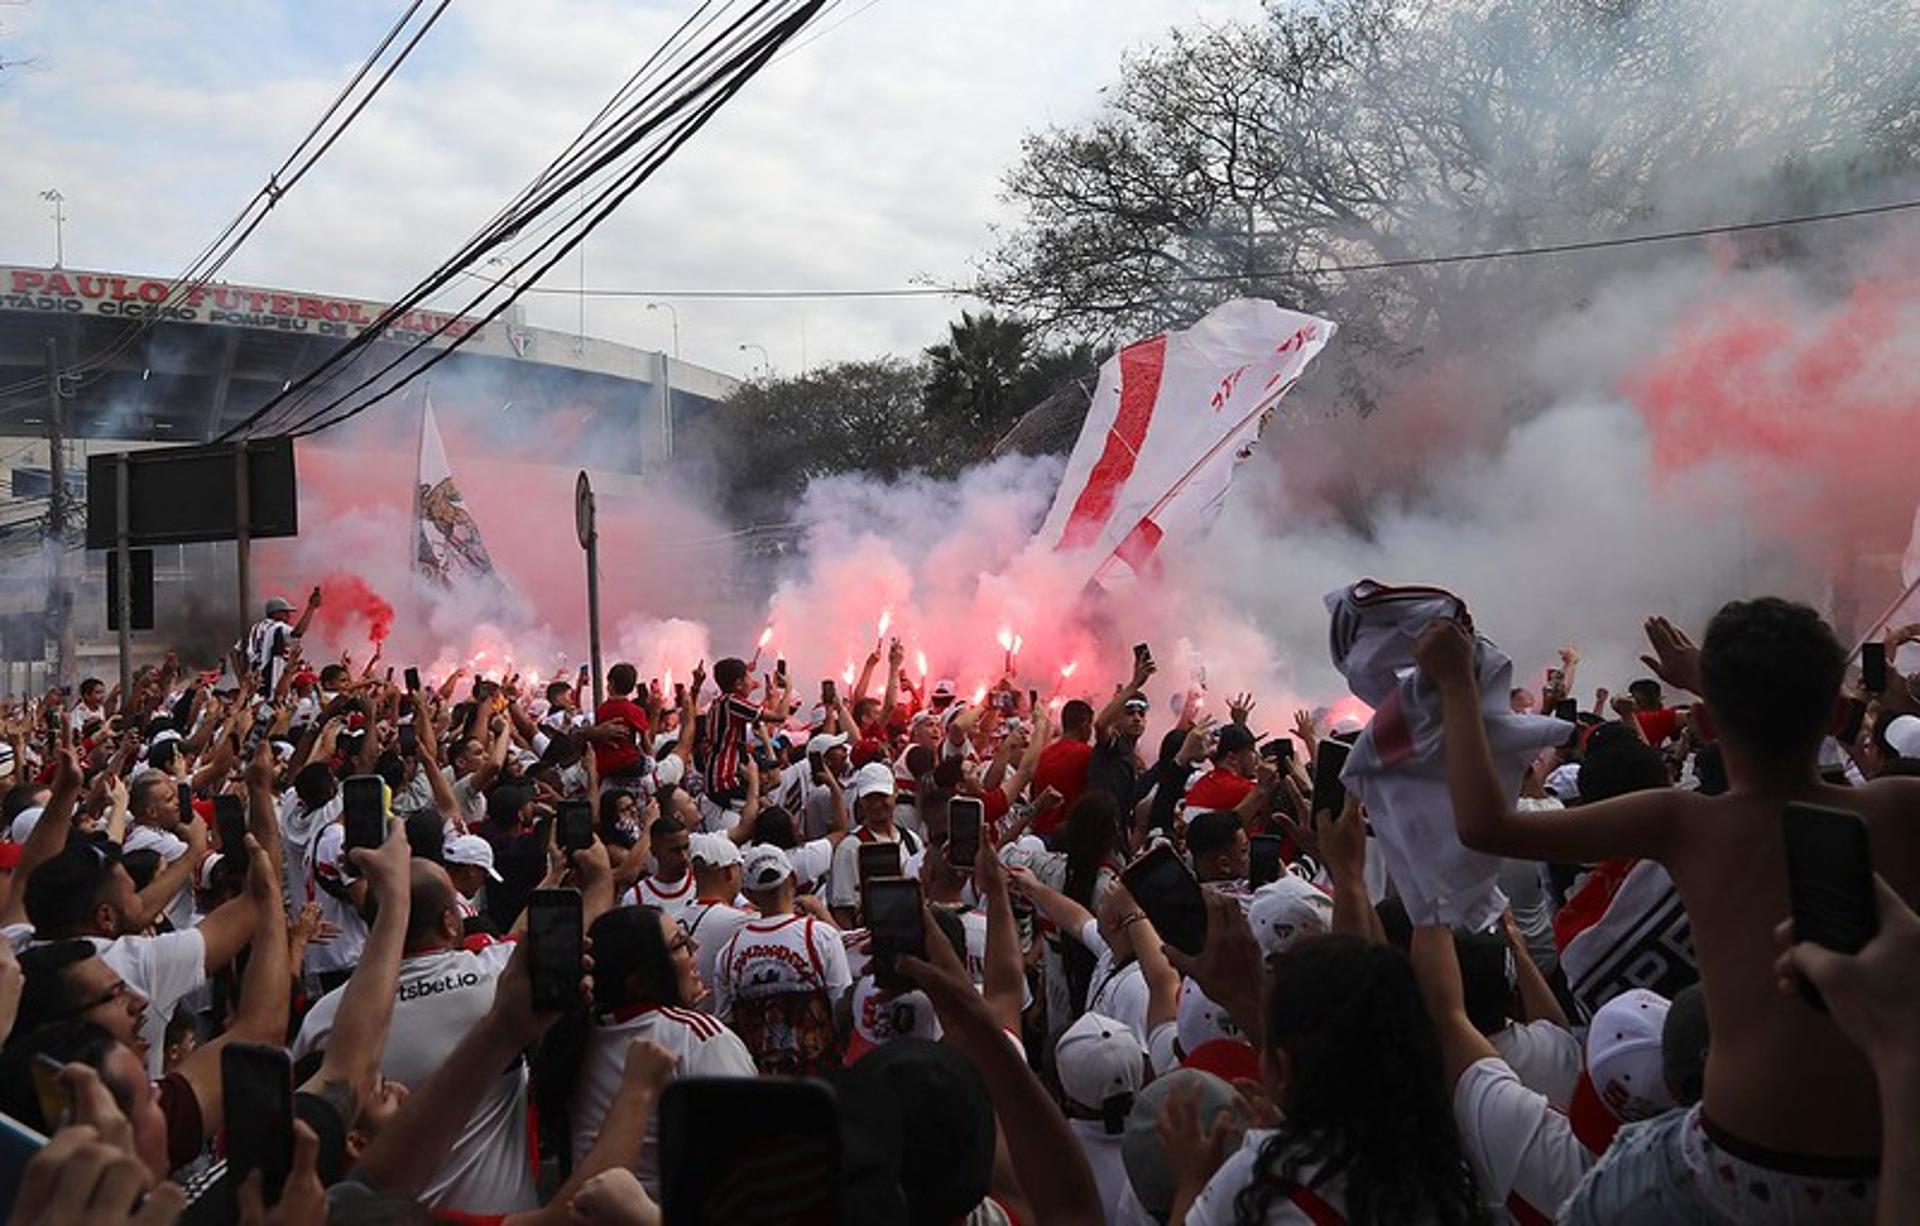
pixel 52 196
pixel 766 362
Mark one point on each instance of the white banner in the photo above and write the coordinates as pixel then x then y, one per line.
pixel 446 539
pixel 1173 416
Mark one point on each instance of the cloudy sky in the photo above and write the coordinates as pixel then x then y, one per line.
pixel 867 157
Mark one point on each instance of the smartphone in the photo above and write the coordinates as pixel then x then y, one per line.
pixel 1141 653
pixel 363 804
pixel 413 679
pixel 185 791
pixel 409 741
pixel 828 691
pixel 785 1168
pixel 964 815
pixel 1279 749
pixel 1166 890
pixel 557 942
pixel 1856 717
pixel 575 824
pixel 1829 881
pixel 1007 702
pixel 230 822
pixel 894 926
pixel 1329 794
pixel 1873 667
pixel 256 1093
pixel 1263 859
pixel 1567 709
pixel 18 1145
pixel 780 669
pixel 878 860
pixel 56 1104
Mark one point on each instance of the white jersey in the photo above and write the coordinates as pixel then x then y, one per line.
pixel 1118 992
pixel 441 996
pixel 843 884
pixel 1306 1204
pixel 779 983
pixel 325 885
pixel 702 1046
pixel 299 826
pixel 163 969
pixel 266 648
pixel 710 923
pixel 1545 1057
pixel 1524 1154
pixel 672 898
pixel 150 838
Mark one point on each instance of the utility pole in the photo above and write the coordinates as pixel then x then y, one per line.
pixel 666 382
pixel 59 599
pixel 52 196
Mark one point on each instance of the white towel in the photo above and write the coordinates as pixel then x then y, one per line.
pixel 1398 767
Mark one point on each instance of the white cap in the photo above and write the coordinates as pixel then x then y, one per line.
pixel 278 604
pixel 1201 1021
pixel 880 1016
pixel 1903 733
pixel 873 779
pixel 665 741
pixel 23 824
pixel 714 850
pixel 1623 1055
pixel 764 867
pixel 823 742
pixel 943 688
pixel 203 876
pixel 1286 909
pixel 471 849
pixel 671 770
pixel 1098 1058
pixel 1564 782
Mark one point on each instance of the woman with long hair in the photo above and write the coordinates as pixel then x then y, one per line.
pixel 1365 1133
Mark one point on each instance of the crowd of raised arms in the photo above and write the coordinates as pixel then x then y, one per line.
pixel 753 950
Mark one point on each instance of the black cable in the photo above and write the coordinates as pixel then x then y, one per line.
pixel 503 230
pixel 607 149
pixel 739 71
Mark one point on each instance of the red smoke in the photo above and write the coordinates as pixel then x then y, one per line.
pixel 345 600
pixel 1814 403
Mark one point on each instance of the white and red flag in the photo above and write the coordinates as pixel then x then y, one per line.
pixel 1172 418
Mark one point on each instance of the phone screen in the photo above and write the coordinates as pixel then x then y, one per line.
pixel 230 822
pixel 1329 794
pixel 575 818
pixel 1829 880
pixel 1873 667
pixel 1166 890
pixel 1856 718
pixel 964 814
pixel 828 692
pixel 1567 709
pixel 413 680
pixel 892 906
pixel 1263 859
pixel 256 1092
pixel 363 805
pixel 409 740
pixel 556 943
pixel 784 1165
pixel 1279 749
pixel 878 860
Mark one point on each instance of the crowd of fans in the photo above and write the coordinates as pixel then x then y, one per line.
pixel 744 1035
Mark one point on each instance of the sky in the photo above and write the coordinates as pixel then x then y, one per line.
pixel 870 156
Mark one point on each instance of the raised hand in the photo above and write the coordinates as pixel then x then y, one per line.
pixel 1240 707
pixel 1444 652
pixel 1675 659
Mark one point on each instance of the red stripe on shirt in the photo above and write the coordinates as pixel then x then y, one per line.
pixel 1140 368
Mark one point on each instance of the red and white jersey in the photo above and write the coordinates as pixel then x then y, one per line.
pixel 673 898
pixel 710 923
pixel 325 885
pixel 1524 1154
pixel 702 1046
pixel 779 981
pixel 440 997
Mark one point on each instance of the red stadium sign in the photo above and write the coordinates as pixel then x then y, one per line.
pixel 57 291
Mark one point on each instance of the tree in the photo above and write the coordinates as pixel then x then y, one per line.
pixel 987 374
pixel 1249 158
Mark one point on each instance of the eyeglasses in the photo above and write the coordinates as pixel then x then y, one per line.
pixel 119 991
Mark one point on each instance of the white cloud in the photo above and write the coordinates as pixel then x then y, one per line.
pixel 868 157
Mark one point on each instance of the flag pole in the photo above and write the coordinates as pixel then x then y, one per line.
pixel 1884 618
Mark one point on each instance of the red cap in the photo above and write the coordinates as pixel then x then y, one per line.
pixel 868 750
pixel 1230 1060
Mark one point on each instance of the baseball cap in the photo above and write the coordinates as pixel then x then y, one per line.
pixel 943 688
pixel 1286 909
pixel 714 850
pixel 1098 1059
pixel 1235 737
pixel 873 779
pixel 278 604
pixel 1144 1157
pixel 1623 1055
pixel 868 750
pixel 471 849
pixel 763 867
pixel 822 742
pixel 670 770
pixel 1903 733
pixel 1564 782
pixel 664 742
pixel 1199 1021
pixel 1136 703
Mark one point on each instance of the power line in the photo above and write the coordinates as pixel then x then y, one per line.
pixel 1464 257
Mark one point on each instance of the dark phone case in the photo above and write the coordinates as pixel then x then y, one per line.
pixel 1167 891
pixel 891 933
pixel 788 1168
pixel 256 1086
pixel 1329 794
pixel 1829 881
pixel 556 944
